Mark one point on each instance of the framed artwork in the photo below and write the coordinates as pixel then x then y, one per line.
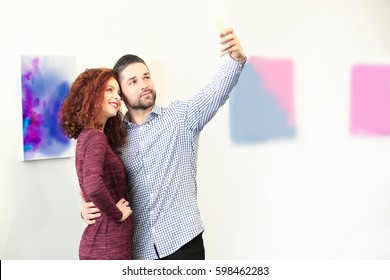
pixel 45 81
pixel 370 99
pixel 262 103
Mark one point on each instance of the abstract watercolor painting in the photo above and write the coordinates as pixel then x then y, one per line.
pixel 45 82
pixel 262 103
pixel 370 99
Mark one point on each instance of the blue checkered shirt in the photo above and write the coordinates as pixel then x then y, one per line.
pixel 160 157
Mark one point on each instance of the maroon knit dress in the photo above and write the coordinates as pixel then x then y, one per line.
pixel 102 179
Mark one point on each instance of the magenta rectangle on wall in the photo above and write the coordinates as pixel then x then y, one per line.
pixel 370 100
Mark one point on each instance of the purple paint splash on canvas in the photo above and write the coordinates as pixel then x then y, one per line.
pixel 43 90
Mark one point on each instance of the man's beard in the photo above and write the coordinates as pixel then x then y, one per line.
pixel 144 104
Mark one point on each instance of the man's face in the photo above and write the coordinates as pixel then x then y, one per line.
pixel 137 87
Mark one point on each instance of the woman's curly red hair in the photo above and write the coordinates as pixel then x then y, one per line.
pixel 83 105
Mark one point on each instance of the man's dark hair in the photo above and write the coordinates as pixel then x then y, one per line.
pixel 126 60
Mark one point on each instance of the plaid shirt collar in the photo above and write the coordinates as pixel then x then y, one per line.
pixel 156 110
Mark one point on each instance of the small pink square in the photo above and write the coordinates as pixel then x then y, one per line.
pixel 370 100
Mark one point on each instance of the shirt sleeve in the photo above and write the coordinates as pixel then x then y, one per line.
pixel 95 189
pixel 202 108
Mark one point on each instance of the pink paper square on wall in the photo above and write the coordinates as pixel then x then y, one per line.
pixel 370 100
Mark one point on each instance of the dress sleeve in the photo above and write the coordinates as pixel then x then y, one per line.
pixel 95 189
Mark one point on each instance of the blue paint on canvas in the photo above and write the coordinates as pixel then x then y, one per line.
pixel 45 83
pixel 255 114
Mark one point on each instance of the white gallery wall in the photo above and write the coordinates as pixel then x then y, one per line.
pixel 322 195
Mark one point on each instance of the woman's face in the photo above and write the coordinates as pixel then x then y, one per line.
pixel 112 100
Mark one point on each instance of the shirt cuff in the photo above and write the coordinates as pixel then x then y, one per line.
pixel 236 63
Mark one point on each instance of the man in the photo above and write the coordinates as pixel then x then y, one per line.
pixel 160 156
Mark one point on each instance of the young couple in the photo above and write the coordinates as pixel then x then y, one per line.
pixel 147 160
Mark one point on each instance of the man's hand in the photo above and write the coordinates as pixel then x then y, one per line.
pixel 231 45
pixel 89 212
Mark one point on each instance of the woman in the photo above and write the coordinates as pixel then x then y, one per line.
pixel 90 113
